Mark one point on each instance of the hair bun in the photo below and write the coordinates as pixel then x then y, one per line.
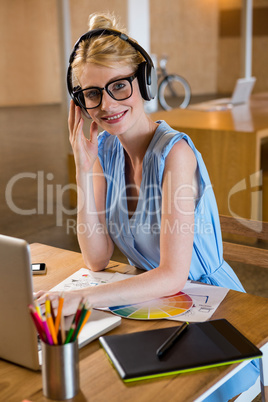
pixel 103 21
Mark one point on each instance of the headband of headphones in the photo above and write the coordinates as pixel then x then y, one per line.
pixel 146 74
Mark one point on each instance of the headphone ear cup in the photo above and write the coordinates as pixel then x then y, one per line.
pixel 141 75
pixel 152 88
pixel 147 81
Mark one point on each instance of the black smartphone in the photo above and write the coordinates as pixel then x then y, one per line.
pixel 39 268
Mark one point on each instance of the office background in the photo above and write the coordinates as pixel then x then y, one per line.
pixel 201 37
pixel 202 40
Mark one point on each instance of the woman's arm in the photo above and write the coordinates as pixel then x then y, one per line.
pixel 95 243
pixel 176 241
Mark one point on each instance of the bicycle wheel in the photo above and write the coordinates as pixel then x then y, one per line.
pixel 174 92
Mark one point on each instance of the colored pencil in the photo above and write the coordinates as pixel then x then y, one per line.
pixel 79 311
pixel 77 314
pixel 38 323
pixel 70 334
pixel 62 329
pixel 87 315
pixel 51 327
pixel 47 306
pixel 48 335
pixel 48 328
pixel 58 318
pixel 79 323
pixel 52 312
pixel 38 309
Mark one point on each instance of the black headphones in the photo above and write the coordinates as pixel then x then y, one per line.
pixel 146 73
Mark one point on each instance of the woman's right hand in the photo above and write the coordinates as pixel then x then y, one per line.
pixel 85 150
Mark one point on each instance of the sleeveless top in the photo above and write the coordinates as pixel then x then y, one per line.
pixel 138 237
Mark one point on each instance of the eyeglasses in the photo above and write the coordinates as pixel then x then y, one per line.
pixel 90 98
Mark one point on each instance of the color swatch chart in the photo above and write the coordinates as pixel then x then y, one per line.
pixel 165 307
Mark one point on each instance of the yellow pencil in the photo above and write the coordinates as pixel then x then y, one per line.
pixel 47 306
pixel 52 328
pixel 38 309
pixel 58 318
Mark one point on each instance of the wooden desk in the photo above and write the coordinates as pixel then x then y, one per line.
pixel 230 143
pixel 98 380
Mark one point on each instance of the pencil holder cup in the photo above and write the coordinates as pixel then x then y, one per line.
pixel 60 370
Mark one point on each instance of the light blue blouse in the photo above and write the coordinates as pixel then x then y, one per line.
pixel 139 237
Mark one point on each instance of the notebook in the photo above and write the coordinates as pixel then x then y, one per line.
pixel 18 338
pixel 201 345
pixel 240 96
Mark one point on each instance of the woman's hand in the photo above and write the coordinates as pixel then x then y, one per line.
pixel 85 150
pixel 72 298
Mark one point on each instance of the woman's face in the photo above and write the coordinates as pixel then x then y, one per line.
pixel 116 117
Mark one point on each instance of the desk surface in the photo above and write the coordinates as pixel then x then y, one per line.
pixel 251 117
pixel 98 380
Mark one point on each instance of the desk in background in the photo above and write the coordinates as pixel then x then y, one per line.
pixel 98 380
pixel 230 142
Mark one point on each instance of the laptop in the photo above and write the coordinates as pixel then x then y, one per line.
pixel 240 96
pixel 18 337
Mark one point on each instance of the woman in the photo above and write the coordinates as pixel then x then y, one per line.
pixel 141 185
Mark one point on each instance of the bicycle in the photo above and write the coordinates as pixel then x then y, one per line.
pixel 173 90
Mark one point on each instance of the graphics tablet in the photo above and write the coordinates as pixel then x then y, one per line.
pixel 202 345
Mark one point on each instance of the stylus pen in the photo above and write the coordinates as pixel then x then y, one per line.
pixel 171 340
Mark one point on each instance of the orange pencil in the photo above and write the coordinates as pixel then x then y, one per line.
pixel 52 329
pixel 58 318
pixel 49 308
pixel 84 320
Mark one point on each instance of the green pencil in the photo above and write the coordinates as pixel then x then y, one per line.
pixel 70 334
pixel 80 322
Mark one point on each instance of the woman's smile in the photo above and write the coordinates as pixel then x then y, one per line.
pixel 115 118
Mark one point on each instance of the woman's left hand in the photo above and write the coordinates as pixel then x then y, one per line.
pixel 72 299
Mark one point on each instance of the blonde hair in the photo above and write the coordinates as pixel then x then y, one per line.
pixel 106 50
